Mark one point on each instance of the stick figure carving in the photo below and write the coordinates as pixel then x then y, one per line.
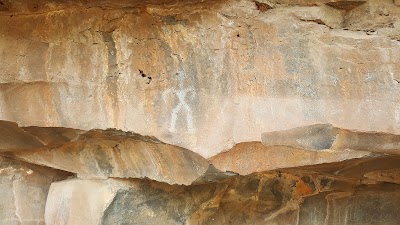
pixel 182 94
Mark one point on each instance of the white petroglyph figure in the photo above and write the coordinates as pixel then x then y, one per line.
pixel 182 94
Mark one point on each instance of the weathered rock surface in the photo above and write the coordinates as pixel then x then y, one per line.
pixel 249 157
pixel 173 69
pixel 23 191
pixel 112 153
pixel 13 137
pixel 355 168
pixel 201 76
pixel 325 136
pixel 53 136
pixel 146 202
pixel 371 205
pixel 318 136
pixel 304 196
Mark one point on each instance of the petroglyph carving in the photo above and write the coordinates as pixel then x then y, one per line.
pixel 182 94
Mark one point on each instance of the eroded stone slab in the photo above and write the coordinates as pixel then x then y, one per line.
pixel 23 191
pixel 367 206
pixel 325 136
pixel 345 5
pixel 113 153
pixel 249 157
pixel 390 175
pixel 51 136
pixel 13 137
pixel 119 201
pixel 318 136
pixel 300 196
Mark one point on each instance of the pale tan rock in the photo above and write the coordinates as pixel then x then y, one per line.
pixel 23 190
pixel 219 64
pixel 113 153
pixel 79 202
pixel 367 141
pixel 249 157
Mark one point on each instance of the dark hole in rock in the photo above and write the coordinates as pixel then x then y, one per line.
pixel 142 73
pixel 345 5
pixel 263 7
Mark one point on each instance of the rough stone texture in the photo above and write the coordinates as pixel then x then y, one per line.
pixel 112 153
pixel 53 136
pixel 176 68
pixel 249 157
pixel 325 136
pixel 373 206
pixel 305 196
pixel 23 191
pixel 390 176
pixel 202 76
pixel 317 137
pixel 355 168
pixel 146 202
pixel 13 137
pixel 374 142
pixel 78 202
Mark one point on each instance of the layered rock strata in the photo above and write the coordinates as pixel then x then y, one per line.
pixel 173 69
pixel 308 195
pixel 104 183
pixel 269 112
pixel 109 153
pixel 325 136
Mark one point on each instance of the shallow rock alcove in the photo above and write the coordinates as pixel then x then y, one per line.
pixel 199 112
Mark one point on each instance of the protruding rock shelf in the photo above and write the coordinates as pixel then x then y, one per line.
pixel 325 136
pixel 299 176
pixel 293 196
pixel 108 153
pixel 264 158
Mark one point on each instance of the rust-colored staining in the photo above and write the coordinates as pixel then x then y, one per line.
pixel 263 7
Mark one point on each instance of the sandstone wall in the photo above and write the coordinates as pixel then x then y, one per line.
pixel 203 76
pixel 269 112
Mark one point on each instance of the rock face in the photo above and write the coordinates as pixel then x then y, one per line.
pixel 278 112
pixel 317 137
pixel 129 202
pixel 173 69
pixel 23 190
pixel 366 206
pixel 13 137
pixel 325 136
pixel 308 196
pixel 249 157
pixel 109 153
